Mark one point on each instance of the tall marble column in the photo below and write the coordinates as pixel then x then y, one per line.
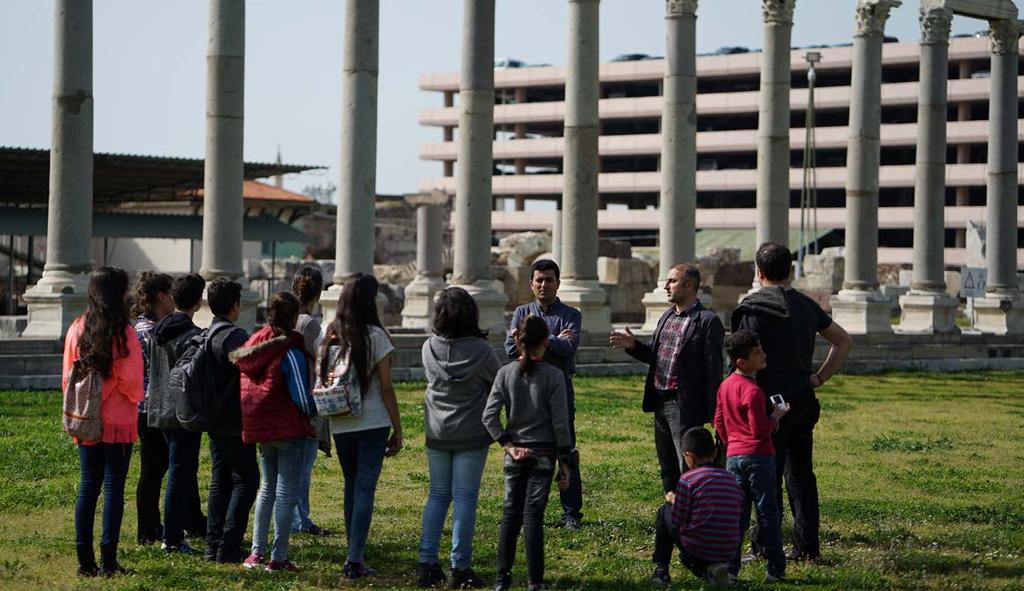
pixel 357 171
pixel 927 308
pixel 677 207
pixel 1001 311
pixel 581 165
pixel 60 295
pixel 223 176
pixel 475 168
pixel 419 294
pixel 859 307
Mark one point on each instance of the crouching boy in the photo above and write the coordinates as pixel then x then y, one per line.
pixel 744 425
pixel 701 518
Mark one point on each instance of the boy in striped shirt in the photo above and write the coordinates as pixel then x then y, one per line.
pixel 701 518
pixel 744 425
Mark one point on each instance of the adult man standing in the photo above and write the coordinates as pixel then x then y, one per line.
pixel 685 359
pixel 564 323
pixel 786 322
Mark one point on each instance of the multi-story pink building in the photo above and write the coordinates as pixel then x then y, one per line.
pixel 528 146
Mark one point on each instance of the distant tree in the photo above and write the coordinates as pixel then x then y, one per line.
pixel 322 193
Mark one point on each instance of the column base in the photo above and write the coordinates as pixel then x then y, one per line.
pixel 591 300
pixel 419 302
pixel 491 304
pixel 1000 313
pixel 928 312
pixel 247 313
pixel 862 311
pixel 54 303
pixel 329 304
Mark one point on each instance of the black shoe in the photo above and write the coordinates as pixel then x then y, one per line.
pixel 108 561
pixel 798 556
pixel 428 574
pixel 465 579
pixel 660 577
pixel 503 582
pixel 536 587
pixel 182 548
pixel 230 556
pixel 571 523
pixel 356 570
pixel 86 561
pixel 210 554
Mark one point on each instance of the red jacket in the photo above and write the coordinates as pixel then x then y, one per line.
pixel 741 419
pixel 268 413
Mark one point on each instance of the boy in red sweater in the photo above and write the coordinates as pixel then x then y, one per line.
pixel 744 425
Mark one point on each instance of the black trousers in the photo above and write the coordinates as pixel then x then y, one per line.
pixel 572 497
pixel 527 485
pixel 234 482
pixel 668 433
pixel 153 456
pixel 794 455
pixel 183 511
pixel 666 535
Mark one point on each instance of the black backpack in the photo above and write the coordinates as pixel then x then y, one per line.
pixel 160 413
pixel 193 382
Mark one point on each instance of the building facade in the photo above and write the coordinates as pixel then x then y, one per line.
pixel 528 144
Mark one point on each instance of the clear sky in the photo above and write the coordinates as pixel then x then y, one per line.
pixel 149 68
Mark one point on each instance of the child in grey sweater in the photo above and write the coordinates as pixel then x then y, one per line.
pixel 536 433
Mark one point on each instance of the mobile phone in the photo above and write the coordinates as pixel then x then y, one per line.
pixel 778 401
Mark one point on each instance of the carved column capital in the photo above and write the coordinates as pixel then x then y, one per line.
pixel 935 24
pixel 675 8
pixel 870 16
pixel 778 11
pixel 1004 35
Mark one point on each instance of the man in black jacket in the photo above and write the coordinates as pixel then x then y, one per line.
pixel 787 323
pixel 685 359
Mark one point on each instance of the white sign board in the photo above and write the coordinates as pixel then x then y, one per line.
pixel 973 281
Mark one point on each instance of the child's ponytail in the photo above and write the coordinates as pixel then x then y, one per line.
pixel 531 332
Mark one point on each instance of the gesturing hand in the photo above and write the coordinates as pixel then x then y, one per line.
pixel 622 340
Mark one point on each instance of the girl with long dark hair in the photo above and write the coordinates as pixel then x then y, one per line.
pixel 103 341
pixel 355 341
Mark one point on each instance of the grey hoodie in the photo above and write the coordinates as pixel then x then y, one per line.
pixel 459 377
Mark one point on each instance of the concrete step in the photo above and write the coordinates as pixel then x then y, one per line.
pixel 29 346
pixel 41 382
pixel 30 364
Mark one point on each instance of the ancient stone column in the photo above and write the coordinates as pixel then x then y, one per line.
pixel 773 124
pixel 859 307
pixel 419 294
pixel 473 196
pixel 357 171
pixel 59 297
pixel 1001 311
pixel 556 235
pixel 927 308
pixel 581 166
pixel 677 207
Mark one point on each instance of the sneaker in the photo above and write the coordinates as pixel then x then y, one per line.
pixel 356 570
pixel 316 530
pixel 718 575
pixel 536 587
pixel 230 556
pixel 660 577
pixel 210 554
pixel 571 523
pixel 797 556
pixel 773 579
pixel 428 574
pixel 253 561
pixel 182 548
pixel 749 557
pixel 465 578
pixel 281 566
pixel 503 583
pixel 91 570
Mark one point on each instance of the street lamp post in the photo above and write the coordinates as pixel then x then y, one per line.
pixel 809 189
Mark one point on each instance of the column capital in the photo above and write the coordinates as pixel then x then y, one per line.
pixel 870 16
pixel 778 11
pixel 674 8
pixel 935 23
pixel 1004 34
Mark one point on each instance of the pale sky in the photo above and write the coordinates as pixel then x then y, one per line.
pixel 149 68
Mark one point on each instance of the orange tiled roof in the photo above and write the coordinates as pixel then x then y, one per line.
pixel 258 191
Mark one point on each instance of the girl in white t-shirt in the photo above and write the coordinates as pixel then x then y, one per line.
pixel 362 442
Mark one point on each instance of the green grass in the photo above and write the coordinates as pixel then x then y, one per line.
pixel 921 480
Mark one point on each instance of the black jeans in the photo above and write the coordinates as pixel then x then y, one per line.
pixel 794 454
pixel 234 482
pixel 666 535
pixel 527 484
pixel 153 455
pixel 182 508
pixel 103 465
pixel 668 434
pixel 572 497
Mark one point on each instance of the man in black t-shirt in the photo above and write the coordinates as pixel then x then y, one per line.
pixel 787 322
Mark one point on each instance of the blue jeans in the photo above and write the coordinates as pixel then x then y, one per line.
pixel 279 481
pixel 102 465
pixel 181 497
pixel 453 476
pixel 756 476
pixel 300 517
pixel 361 454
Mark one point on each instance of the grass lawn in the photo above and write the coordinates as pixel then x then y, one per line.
pixel 921 480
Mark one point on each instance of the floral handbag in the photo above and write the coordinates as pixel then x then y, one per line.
pixel 338 394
